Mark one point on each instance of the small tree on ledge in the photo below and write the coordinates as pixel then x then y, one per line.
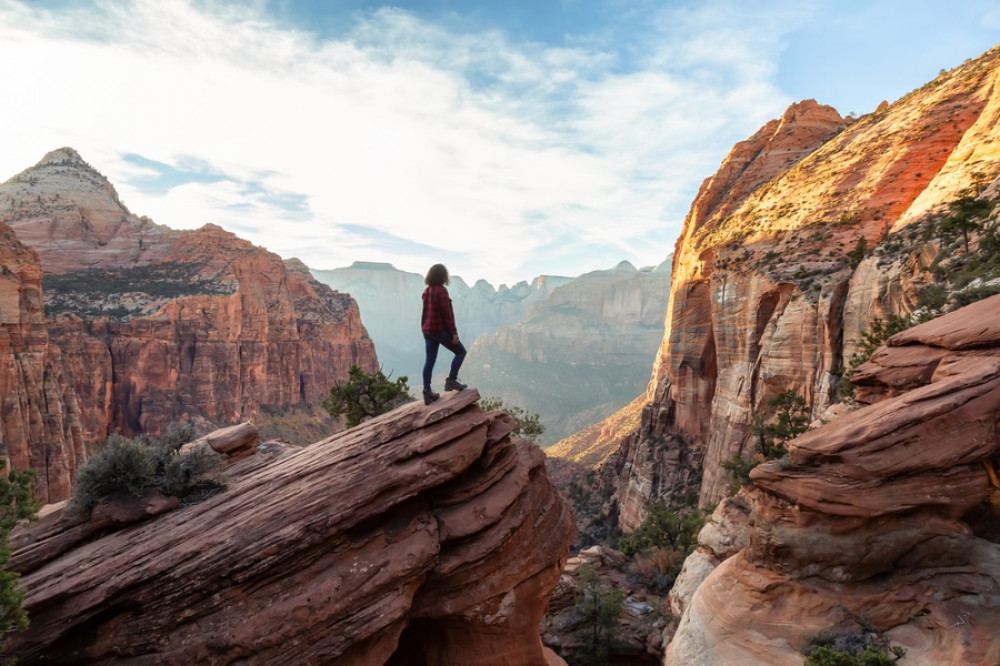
pixel 366 395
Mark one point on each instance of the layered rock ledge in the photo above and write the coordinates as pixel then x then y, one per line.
pixel 427 535
pixel 882 521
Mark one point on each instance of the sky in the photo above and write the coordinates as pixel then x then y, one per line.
pixel 503 138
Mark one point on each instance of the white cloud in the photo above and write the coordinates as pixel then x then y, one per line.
pixel 493 152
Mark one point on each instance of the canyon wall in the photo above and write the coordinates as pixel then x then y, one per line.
pixel 769 291
pixel 40 425
pixel 881 525
pixel 157 326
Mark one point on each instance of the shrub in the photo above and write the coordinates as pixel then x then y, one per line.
pixel 862 649
pixel 657 568
pixel 366 395
pixel 974 294
pixel 135 466
pixel 122 465
pixel 792 419
pixel 824 656
pixel 525 423
pixel 932 297
pixel 855 256
pixel 663 528
pixel 17 505
pixel 739 472
pixel 787 418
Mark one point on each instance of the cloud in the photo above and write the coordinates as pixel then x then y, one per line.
pixel 500 156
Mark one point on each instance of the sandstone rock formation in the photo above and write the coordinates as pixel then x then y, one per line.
pixel 390 307
pixel 426 535
pixel 880 522
pixel 157 326
pixel 39 412
pixel 766 293
pixel 581 353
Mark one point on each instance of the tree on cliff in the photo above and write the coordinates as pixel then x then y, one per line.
pixel 599 607
pixel 366 395
pixel 526 424
pixel 17 504
pixel 787 417
pixel 967 215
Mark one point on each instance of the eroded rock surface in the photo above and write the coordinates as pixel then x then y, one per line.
pixel 881 521
pixel 425 534
pixel 40 425
pixel 768 290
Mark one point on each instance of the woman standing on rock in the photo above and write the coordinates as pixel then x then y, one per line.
pixel 438 325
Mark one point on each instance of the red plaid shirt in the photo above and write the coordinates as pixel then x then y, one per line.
pixel 438 317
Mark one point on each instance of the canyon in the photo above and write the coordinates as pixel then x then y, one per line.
pixel 145 326
pixel 572 350
pixel 765 296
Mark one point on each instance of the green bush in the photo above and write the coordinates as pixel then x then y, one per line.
pixel 122 465
pixel 136 466
pixel 366 395
pixel 968 296
pixel 599 607
pixel 663 528
pixel 787 418
pixel 865 648
pixel 824 656
pixel 855 256
pixel 525 423
pixel 17 505
pixel 872 339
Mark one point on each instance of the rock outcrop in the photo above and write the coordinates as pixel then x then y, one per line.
pixel 157 326
pixel 39 412
pixel 881 522
pixel 426 535
pixel 770 291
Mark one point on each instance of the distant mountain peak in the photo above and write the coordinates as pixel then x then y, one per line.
pixel 625 266
pixel 61 155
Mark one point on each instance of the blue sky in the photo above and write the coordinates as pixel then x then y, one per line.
pixel 506 138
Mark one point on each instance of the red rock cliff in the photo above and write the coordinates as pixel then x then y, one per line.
pixel 158 325
pixel 882 522
pixel 426 535
pixel 39 417
pixel 763 296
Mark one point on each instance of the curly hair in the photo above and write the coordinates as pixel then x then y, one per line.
pixel 437 275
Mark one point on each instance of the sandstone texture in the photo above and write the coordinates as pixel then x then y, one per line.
pixel 40 425
pixel 426 535
pixel 883 522
pixel 155 326
pixel 767 291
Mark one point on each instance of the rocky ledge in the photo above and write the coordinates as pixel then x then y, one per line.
pixel 427 535
pixel 883 522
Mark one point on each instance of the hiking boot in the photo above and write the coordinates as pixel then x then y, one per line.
pixel 430 396
pixel 454 385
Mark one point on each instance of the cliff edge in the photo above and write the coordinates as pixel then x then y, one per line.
pixel 426 535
